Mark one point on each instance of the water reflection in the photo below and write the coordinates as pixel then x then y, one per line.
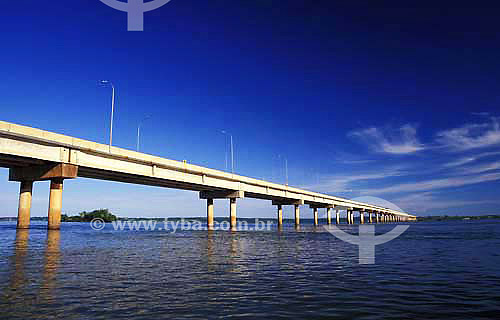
pixel 52 257
pixel 22 291
pixel 82 274
pixel 18 278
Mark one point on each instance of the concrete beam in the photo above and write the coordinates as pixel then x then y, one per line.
pixel 210 214
pixel 232 212
pixel 297 215
pixel 291 202
pixel 280 215
pixel 44 172
pixel 23 213
pixel 321 206
pixel 221 194
pixel 340 207
pixel 55 204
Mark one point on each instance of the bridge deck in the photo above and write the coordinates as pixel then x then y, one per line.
pixel 25 146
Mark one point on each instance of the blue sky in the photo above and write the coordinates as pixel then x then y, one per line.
pixel 398 100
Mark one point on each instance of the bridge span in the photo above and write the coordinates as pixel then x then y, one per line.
pixel 37 155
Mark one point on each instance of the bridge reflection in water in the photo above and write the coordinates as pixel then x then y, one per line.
pixel 19 294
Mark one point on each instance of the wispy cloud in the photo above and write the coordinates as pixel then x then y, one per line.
pixel 482 168
pixel 426 201
pixel 434 184
pixel 471 136
pixel 481 114
pixel 343 183
pixel 401 141
pixel 468 159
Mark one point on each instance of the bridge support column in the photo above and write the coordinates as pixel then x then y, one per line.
pixel 55 204
pixel 53 172
pixel 210 214
pixel 371 217
pixel 361 217
pixel 349 213
pixel 377 220
pixel 315 213
pixel 24 209
pixel 329 215
pixel 228 194
pixel 232 214
pixel 337 216
pixel 297 215
pixel 280 215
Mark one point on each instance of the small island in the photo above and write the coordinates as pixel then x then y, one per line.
pixel 85 216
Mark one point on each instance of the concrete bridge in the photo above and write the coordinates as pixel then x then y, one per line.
pixel 37 155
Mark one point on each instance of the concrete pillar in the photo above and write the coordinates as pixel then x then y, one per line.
pixel 329 215
pixel 210 214
pixel 232 213
pixel 55 204
pixel 371 217
pixel 337 216
pixel 361 217
pixel 297 215
pixel 280 215
pixel 315 212
pixel 24 209
pixel 349 217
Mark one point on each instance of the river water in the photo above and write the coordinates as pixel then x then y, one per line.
pixel 435 270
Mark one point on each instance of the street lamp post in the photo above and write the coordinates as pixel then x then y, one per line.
pixel 232 150
pixel 139 131
pixel 286 168
pixel 112 109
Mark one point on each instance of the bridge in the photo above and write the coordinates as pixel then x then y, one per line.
pixel 37 155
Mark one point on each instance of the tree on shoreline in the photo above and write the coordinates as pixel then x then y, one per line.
pixel 85 216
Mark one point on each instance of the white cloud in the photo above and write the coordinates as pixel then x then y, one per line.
pixel 426 201
pixel 403 141
pixel 481 114
pixel 341 183
pixel 460 162
pixel 471 136
pixel 482 168
pixel 469 159
pixel 434 184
